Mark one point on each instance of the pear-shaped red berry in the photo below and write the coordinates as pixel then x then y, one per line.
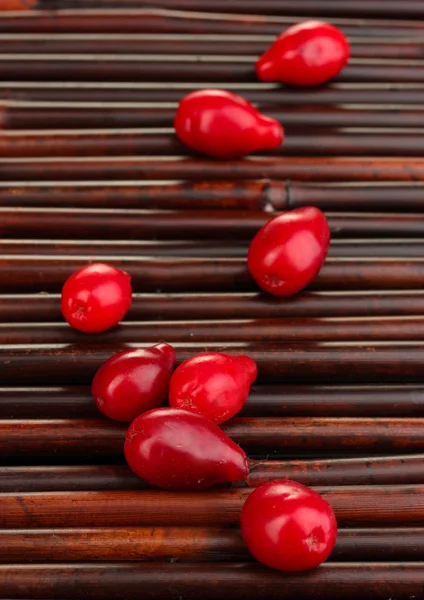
pixel 178 450
pixel 287 252
pixel 224 125
pixel 213 384
pixel 133 381
pixel 306 54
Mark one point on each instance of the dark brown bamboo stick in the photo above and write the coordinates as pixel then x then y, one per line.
pixel 216 331
pixel 384 470
pixel 73 478
pixel 17 118
pixel 328 363
pixel 45 274
pixel 229 45
pixel 144 143
pixel 178 69
pixel 102 439
pixel 375 470
pixel 140 224
pixel 14 117
pixel 206 248
pixel 388 506
pixel 376 581
pixel 398 248
pixel 193 544
pixel 264 401
pixel 333 8
pixel 228 195
pixel 125 224
pixel 145 68
pixel 157 306
pixel 317 169
pixel 345 196
pixel 197 544
pixel 162 21
pixel 191 224
pixel 361 248
pixel 272 96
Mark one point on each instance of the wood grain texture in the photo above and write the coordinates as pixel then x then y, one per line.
pixel 15 118
pixel 373 506
pixel 269 97
pixel 155 20
pixel 208 274
pixel 324 363
pixel 101 438
pixel 299 141
pixel 318 169
pixel 133 224
pixel 227 195
pixel 355 8
pixel 45 307
pixel 243 581
pixel 240 330
pixel 86 250
pixel 190 544
pixel 264 401
pixel 373 470
pixel 226 45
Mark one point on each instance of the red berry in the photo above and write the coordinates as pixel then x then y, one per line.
pixel 96 297
pixel 223 125
pixel 213 384
pixel 306 54
pixel 133 381
pixel 288 526
pixel 177 450
pixel 289 250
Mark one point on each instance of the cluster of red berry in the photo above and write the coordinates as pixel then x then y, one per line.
pixel 285 525
pixel 226 126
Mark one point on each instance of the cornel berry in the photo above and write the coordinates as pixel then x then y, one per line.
pixel 213 384
pixel 287 252
pixel 96 297
pixel 133 381
pixel 179 450
pixel 224 125
pixel 288 526
pixel 306 54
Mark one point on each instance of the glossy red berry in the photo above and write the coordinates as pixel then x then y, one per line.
pixel 96 297
pixel 306 54
pixel 289 250
pixel 288 526
pixel 224 125
pixel 133 381
pixel 178 450
pixel 213 384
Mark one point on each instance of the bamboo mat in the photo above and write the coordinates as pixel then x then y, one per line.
pixel 90 170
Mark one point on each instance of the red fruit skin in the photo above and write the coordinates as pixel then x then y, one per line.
pixel 133 381
pixel 96 297
pixel 288 252
pixel 213 384
pixel 224 125
pixel 306 54
pixel 287 526
pixel 178 450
